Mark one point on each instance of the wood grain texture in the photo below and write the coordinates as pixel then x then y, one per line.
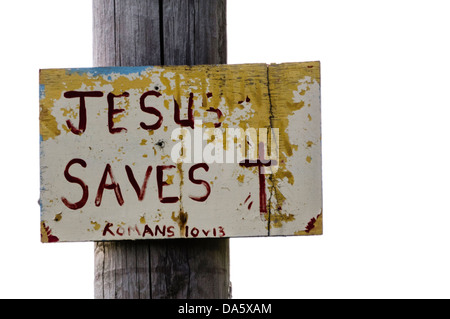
pixel 126 32
pixel 159 32
pixel 190 25
pixel 152 32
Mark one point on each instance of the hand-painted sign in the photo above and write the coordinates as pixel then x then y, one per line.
pixel 180 152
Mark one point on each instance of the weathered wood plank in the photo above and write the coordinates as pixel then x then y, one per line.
pixel 186 29
pixel 135 20
pixel 104 44
pixel 238 193
pixel 127 32
pixel 210 32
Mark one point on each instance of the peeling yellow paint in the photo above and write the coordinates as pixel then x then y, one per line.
pixel 308 159
pixel 69 113
pixel 169 179
pixel 58 217
pixel 96 225
pixel 44 236
pixel 157 218
pixel 314 227
pixel 117 118
pixel 181 219
pixel 277 219
pixel 143 142
pixel 142 220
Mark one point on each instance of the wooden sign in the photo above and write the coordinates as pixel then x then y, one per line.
pixel 180 152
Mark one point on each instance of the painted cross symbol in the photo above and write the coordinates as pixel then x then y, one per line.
pixel 260 162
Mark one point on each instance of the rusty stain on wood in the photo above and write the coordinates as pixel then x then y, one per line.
pixel 237 148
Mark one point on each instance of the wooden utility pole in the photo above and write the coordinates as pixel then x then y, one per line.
pixel 161 32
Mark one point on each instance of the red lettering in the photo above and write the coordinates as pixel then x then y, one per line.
pixel 189 122
pixel 205 232
pixel 159 178
pixel 161 230
pixel 217 111
pixel 158 229
pixel 170 232
pixel 195 232
pixel 112 185
pixel 151 110
pixel 83 118
pixel 78 181
pixel 199 181
pixel 139 191
pixel 112 111
pixel 108 181
pixel 147 230
pixel 262 179
pixel 135 228
pixel 120 231
pixel 106 229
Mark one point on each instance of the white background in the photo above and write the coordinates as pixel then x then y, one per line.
pixel 385 133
